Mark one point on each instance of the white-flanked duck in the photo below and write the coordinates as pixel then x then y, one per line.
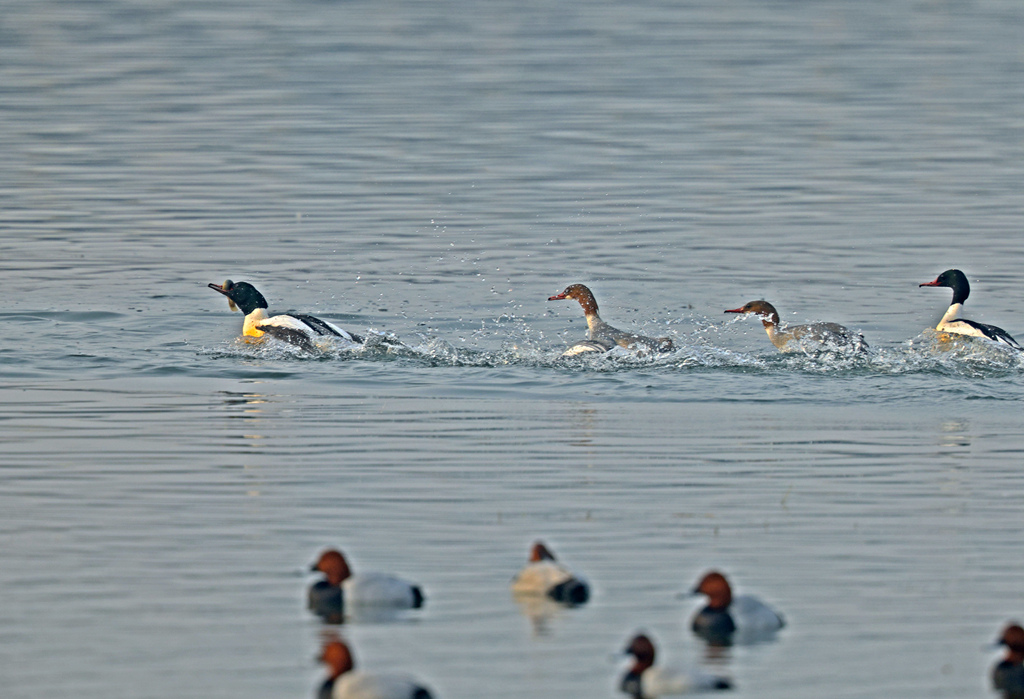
pixel 1008 673
pixel 645 680
pixel 544 576
pixel 802 338
pixel 602 337
pixel 341 593
pixel 732 619
pixel 345 682
pixel 950 323
pixel 298 329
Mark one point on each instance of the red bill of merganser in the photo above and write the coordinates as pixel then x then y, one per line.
pixel 1008 673
pixel 543 575
pixel 602 337
pixel 727 619
pixel 345 682
pixel 801 338
pixel 950 323
pixel 298 329
pixel 644 680
pixel 342 593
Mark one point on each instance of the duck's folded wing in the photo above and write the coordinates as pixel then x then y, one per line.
pixel 288 329
pixel 994 333
pixel 322 327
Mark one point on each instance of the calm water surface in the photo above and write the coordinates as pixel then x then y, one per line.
pixel 436 171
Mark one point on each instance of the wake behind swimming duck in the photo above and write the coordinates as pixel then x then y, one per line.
pixel 802 338
pixel 950 323
pixel 298 329
pixel 602 337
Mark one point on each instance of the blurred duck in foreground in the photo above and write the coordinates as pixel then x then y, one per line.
pixel 951 323
pixel 731 619
pixel 602 337
pixel 342 593
pixel 644 680
pixel 813 337
pixel 544 576
pixel 298 329
pixel 1008 674
pixel 345 682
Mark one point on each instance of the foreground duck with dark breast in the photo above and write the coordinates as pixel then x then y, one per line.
pixel 602 337
pixel 951 323
pixel 299 329
pixel 802 338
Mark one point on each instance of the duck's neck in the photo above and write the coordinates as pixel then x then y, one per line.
pixel 952 313
pixel 593 320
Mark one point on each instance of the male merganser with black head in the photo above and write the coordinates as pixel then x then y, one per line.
pixel 957 281
pixel 296 328
pixel 727 619
pixel 341 592
pixel 543 575
pixel 345 682
pixel 645 681
pixel 802 338
pixel 602 337
pixel 1008 674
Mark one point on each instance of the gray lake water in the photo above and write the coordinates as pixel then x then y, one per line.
pixel 435 171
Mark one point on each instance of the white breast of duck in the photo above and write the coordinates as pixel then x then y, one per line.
pixel 601 336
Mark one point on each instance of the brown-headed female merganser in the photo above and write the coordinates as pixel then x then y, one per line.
pixel 644 680
pixel 345 682
pixel 801 338
pixel 543 575
pixel 957 281
pixel 602 337
pixel 296 328
pixel 1008 673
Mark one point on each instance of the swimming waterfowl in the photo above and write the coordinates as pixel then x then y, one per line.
pixel 801 338
pixel 644 680
pixel 727 619
pixel 298 329
pixel 543 575
pixel 950 323
pixel 602 337
pixel 1008 673
pixel 345 682
pixel 340 591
